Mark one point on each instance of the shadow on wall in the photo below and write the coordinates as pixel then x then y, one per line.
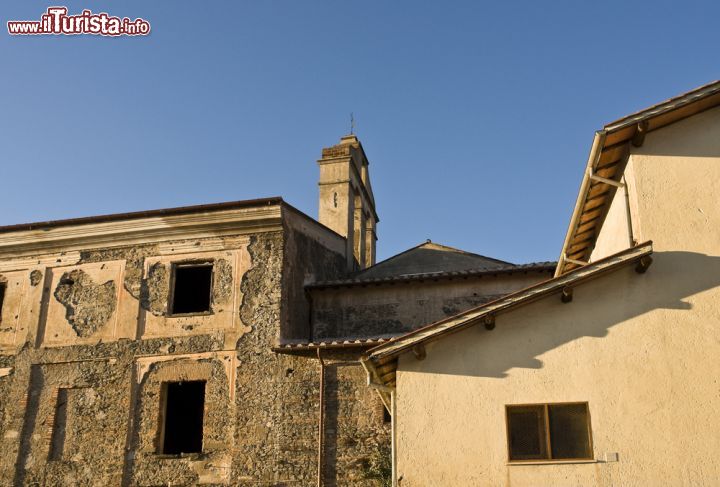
pixel 526 333
pixel 37 381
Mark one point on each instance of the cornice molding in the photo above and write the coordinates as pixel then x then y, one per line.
pixel 141 230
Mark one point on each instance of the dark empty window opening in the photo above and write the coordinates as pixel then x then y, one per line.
pixel 549 432
pixel 192 288
pixel 387 418
pixel 2 297
pixel 57 439
pixel 184 408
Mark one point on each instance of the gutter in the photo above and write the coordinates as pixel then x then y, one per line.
pixel 595 151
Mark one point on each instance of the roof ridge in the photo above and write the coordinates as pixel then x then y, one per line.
pixel 687 97
pixel 455 249
pixel 420 245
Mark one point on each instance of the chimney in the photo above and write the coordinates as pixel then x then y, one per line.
pixel 347 204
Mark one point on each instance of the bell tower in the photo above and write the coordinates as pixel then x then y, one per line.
pixel 347 204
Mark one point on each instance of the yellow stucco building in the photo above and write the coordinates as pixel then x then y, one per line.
pixel 606 374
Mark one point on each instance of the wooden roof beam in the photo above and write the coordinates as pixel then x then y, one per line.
pixel 641 130
pixel 489 322
pixel 603 180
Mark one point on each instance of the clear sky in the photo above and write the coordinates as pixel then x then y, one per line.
pixel 477 117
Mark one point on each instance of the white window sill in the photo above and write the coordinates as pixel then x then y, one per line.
pixel 549 462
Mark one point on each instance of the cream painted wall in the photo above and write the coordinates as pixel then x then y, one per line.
pixel 633 346
pixel 677 173
pixel 615 235
pixel 641 349
pixel 673 187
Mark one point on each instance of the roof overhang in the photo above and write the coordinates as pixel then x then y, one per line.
pixel 329 344
pixel 381 362
pixel 605 166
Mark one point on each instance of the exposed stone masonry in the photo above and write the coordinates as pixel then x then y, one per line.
pixel 262 408
pixel 89 305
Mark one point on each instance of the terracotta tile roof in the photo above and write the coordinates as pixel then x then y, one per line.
pixel 359 280
pixel 606 164
pixel 330 343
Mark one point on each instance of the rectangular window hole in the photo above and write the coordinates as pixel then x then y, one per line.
pixel 57 439
pixel 2 297
pixel 182 420
pixel 192 288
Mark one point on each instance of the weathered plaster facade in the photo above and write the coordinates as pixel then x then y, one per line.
pixel 88 338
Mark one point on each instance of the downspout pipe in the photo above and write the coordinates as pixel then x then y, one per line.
pixel 628 212
pixel 595 151
pixel 393 416
pixel 321 421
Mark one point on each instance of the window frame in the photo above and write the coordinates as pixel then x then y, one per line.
pixel 171 293
pixel 548 440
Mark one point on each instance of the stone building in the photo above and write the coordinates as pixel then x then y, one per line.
pixel 606 374
pixel 216 344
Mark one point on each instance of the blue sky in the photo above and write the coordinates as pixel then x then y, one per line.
pixel 477 117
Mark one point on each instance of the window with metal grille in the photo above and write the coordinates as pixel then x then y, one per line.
pixel 549 432
pixel 191 288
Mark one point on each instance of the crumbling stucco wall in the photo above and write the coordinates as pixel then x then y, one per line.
pixel 278 395
pixel 356 434
pixel 93 426
pixel 261 413
pixel 148 466
pixel 311 255
pixel 88 305
pixel 15 286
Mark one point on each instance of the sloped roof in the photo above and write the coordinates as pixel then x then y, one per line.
pixel 606 164
pixel 290 346
pixel 180 210
pixel 429 257
pixel 381 361
pixel 544 267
